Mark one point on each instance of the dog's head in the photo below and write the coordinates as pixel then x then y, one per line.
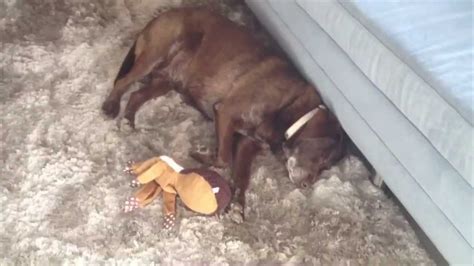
pixel 316 147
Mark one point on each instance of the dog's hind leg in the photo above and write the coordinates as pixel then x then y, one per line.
pixel 142 66
pixel 153 46
pixel 156 88
pixel 127 63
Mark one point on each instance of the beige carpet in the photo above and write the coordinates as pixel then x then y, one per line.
pixel 61 184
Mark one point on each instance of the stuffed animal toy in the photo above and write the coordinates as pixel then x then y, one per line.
pixel 201 190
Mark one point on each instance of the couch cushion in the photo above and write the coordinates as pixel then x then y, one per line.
pixel 434 38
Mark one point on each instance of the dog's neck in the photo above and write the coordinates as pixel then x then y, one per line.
pixel 304 103
pixel 300 123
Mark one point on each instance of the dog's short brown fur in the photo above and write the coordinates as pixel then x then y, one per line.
pixel 252 95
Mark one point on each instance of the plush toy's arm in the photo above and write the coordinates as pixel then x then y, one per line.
pixel 149 170
pixel 140 167
pixel 154 169
pixel 196 193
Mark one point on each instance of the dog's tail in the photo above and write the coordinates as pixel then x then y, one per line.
pixel 127 63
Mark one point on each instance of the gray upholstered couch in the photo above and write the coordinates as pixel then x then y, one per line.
pixel 399 77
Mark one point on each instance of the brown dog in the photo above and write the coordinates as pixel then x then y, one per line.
pixel 252 95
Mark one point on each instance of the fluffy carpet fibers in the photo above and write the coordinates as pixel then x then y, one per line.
pixel 62 187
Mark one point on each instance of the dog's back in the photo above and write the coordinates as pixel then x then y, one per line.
pixel 202 52
pixel 208 58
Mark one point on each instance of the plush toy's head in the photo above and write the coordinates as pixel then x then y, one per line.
pixel 218 184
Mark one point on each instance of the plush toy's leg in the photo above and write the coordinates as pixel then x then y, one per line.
pixel 146 171
pixel 142 197
pixel 152 173
pixel 147 193
pixel 140 167
pixel 130 204
pixel 169 210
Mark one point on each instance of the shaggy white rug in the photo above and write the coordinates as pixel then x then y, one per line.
pixel 61 184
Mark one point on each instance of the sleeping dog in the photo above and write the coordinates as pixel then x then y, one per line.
pixel 253 96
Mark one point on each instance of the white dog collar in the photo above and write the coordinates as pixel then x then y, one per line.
pixel 291 131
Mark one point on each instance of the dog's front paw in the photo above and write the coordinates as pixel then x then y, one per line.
pixel 129 119
pixel 236 213
pixel 111 108
pixel 125 126
pixel 207 158
pixel 203 156
pixel 219 164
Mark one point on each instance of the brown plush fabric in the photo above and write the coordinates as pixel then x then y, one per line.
pixel 224 195
pixel 196 193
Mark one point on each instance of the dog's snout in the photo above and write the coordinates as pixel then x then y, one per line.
pixel 308 181
pixel 291 163
pixel 295 172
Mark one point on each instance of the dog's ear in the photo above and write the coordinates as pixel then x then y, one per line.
pixel 338 149
pixel 330 149
pixel 313 144
pixel 323 143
